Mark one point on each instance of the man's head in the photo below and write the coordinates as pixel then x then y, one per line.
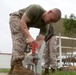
pixel 51 16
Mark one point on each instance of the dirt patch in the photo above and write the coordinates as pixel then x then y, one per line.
pixel 70 68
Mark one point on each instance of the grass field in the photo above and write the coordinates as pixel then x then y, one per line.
pixel 56 73
pixel 63 73
pixel 4 70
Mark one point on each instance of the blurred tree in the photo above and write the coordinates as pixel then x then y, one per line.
pixel 69 24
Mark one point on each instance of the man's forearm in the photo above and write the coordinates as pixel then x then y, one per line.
pixel 24 27
pixel 39 40
pixel 25 30
pixel 48 37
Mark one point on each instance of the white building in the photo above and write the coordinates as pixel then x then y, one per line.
pixel 5 60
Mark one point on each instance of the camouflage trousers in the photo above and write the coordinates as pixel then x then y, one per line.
pixel 50 53
pixel 18 38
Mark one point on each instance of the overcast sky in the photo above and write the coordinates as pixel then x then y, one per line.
pixel 7 6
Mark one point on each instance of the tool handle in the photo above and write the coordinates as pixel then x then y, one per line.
pixel 27 49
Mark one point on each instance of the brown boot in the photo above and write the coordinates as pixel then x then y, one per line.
pixel 20 70
pixel 53 70
pixel 46 72
pixel 11 70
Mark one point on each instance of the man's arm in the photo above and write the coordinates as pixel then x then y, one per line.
pixel 24 28
pixel 48 37
pixel 39 40
pixel 50 33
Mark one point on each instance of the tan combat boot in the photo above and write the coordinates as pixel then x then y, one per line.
pixel 53 70
pixel 10 71
pixel 20 70
pixel 46 72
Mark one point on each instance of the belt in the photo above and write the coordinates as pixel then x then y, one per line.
pixel 13 14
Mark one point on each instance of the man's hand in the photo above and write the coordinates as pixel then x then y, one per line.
pixel 29 41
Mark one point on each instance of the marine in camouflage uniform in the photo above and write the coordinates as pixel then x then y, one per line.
pixel 50 51
pixel 18 26
pixel 18 38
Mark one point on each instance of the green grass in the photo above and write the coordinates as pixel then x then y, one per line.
pixel 63 73
pixel 56 73
pixel 4 70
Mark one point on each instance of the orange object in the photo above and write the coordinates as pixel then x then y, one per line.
pixel 34 48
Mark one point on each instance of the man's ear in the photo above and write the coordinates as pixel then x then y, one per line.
pixel 49 11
